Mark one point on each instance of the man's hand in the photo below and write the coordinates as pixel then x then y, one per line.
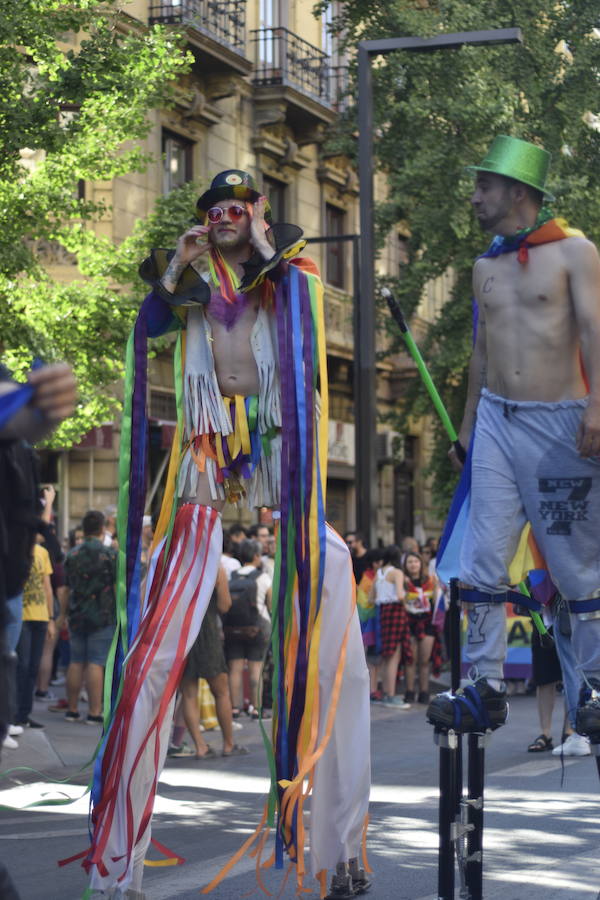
pixel 55 391
pixel 190 247
pixel 48 496
pixel 455 462
pixel 51 630
pixel 588 433
pixel 257 229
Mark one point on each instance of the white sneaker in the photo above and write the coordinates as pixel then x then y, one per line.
pixel 575 745
pixel 396 701
pixel 15 730
pixel 9 743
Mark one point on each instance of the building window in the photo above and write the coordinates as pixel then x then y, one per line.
pixel 275 191
pixel 177 161
pixel 163 406
pixel 335 220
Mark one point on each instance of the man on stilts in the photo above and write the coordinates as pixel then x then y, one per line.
pixel 532 423
pixel 251 386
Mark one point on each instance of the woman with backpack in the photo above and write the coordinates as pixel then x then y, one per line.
pixel 247 625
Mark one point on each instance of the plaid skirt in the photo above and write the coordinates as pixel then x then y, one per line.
pixel 395 630
pixel 419 627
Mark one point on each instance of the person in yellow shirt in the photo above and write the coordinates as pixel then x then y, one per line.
pixel 38 618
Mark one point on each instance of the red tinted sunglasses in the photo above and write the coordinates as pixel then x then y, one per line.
pixel 215 213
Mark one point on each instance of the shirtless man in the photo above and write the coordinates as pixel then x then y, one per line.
pixel 536 424
pixel 231 451
pixel 235 365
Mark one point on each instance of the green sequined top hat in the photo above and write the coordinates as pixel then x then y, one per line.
pixel 232 184
pixel 514 158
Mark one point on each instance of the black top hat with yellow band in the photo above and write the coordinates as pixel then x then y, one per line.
pixel 232 184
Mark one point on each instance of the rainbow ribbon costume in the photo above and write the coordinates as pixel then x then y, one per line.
pixel 270 449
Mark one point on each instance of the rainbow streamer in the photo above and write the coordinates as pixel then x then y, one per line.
pixel 152 320
pixel 300 560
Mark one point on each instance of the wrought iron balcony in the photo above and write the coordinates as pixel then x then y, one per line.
pixel 222 20
pixel 338 88
pixel 284 58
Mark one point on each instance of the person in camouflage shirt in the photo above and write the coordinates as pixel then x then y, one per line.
pixel 91 573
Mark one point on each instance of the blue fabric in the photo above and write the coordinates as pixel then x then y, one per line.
pixel 12 630
pixel 447 561
pixel 472 595
pixel 584 606
pixel 471 702
pixel 11 403
pixel 159 315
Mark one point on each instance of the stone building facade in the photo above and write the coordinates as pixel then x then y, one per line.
pixel 266 83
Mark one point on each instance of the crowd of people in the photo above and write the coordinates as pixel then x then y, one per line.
pixel 401 606
pixel 63 621
pixel 62 625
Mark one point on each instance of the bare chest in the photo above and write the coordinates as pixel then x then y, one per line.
pixel 504 286
pixel 232 322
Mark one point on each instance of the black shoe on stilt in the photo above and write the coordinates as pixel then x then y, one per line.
pixel 342 887
pixel 475 708
pixel 360 882
pixel 587 717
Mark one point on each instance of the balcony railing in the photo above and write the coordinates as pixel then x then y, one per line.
pixel 338 88
pixel 284 58
pixel 223 20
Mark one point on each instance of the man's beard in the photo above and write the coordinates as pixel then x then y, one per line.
pixel 488 223
pixel 229 241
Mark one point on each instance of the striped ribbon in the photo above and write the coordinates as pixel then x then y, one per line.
pixel 300 559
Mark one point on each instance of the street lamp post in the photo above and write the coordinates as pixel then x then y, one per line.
pixel 365 386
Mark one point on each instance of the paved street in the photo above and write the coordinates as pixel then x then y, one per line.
pixel 541 838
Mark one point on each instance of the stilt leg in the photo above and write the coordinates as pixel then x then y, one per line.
pixel 474 860
pixel 450 790
pixel 450 744
pixel 455 675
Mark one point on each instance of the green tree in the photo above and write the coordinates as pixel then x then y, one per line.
pixel 77 80
pixel 435 113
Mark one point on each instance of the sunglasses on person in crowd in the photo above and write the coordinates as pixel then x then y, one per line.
pixel 215 213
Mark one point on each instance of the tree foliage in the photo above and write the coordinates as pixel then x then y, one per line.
pixel 77 80
pixel 437 112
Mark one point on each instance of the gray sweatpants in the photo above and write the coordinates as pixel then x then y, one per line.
pixel 525 468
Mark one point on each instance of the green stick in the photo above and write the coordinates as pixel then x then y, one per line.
pixel 415 353
pixel 438 403
pixel 546 637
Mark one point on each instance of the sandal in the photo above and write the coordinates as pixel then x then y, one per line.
pixel 540 744
pixel 185 752
pixel 210 754
pixel 237 750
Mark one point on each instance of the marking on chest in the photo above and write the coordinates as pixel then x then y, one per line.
pixel 487 284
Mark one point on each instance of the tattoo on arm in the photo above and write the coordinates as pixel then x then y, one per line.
pixel 172 273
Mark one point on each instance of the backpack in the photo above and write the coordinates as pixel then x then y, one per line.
pixel 243 619
pixel 90 570
pixel 19 511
